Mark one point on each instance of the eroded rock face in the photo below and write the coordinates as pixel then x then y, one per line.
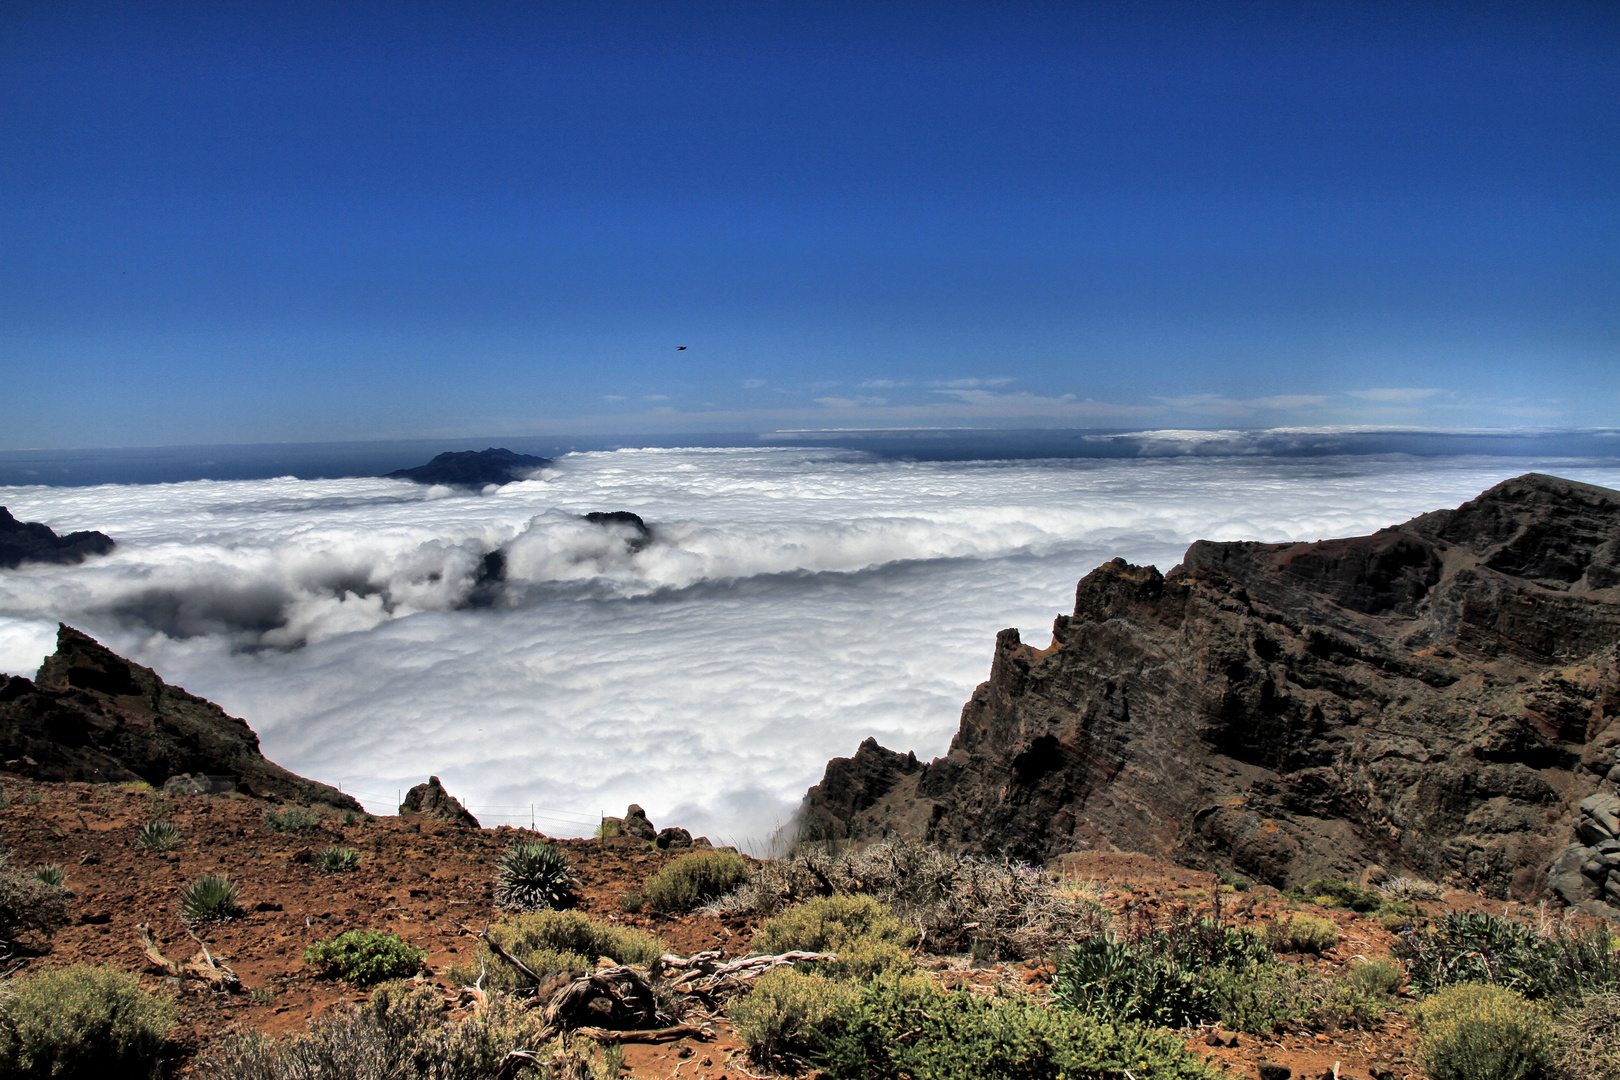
pixel 30 541
pixel 1436 698
pixel 91 715
pixel 430 800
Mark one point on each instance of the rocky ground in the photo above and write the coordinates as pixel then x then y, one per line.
pixel 431 884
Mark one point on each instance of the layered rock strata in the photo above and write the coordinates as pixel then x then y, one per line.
pixel 90 715
pixel 1437 698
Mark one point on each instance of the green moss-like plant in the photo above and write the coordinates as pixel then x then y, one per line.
pixel 81 1022
pixel 1474 1031
pixel 693 879
pixel 365 957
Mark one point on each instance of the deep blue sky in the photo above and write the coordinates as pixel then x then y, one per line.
pixel 231 222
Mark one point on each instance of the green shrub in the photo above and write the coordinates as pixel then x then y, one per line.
pixel 1590 1032
pixel 1263 1000
pixel 365 957
pixel 29 905
pixel 157 836
pixel 783 1011
pixel 294 819
pixel 1361 995
pixel 548 942
pixel 81 1021
pixel 1331 892
pixel 632 902
pixel 692 879
pixel 907 1027
pixel 830 923
pixel 211 898
pixel 1236 881
pixel 51 874
pixel 531 876
pixel 1303 934
pixel 1476 947
pixel 336 860
pixel 1473 1031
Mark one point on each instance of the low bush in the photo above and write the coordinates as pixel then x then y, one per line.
pixel 1361 995
pixel 1302 934
pixel 336 860
pixel 829 924
pixel 81 1021
pixel 1235 881
pixel 293 819
pixel 365 957
pixel 29 905
pixel 548 942
pixel 907 1027
pixel 1332 892
pixel 1477 947
pixel 632 902
pixel 694 879
pixel 531 876
pixel 1590 1044
pixel 1473 1031
pixel 157 836
pixel 1410 888
pixel 785 1011
pixel 211 898
pixel 403 1032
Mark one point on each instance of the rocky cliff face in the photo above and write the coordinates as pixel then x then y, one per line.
pixel 91 715
pixel 1437 697
pixel 31 541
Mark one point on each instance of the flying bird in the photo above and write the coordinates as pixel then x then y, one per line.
pixel 680 348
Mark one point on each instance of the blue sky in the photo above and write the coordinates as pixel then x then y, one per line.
pixel 232 222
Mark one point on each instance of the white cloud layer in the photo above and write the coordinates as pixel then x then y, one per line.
pixel 788 604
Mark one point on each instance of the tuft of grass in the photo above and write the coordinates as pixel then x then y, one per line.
pixel 294 819
pixel 609 828
pixel 365 957
pixel 532 876
pixel 336 860
pixel 51 874
pixel 157 836
pixel 211 898
pixel 693 879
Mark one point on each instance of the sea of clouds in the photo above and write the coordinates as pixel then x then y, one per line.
pixel 787 604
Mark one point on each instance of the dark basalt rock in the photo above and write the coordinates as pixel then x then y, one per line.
pixel 1437 698
pixel 472 468
pixel 430 800
pixel 30 541
pixel 91 715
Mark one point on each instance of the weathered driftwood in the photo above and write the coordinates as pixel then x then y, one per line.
pixel 665 1034
pixel 708 972
pixel 616 998
pixel 202 967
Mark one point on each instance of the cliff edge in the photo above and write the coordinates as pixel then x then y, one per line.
pixel 1438 698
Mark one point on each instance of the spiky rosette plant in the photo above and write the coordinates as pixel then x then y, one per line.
pixel 211 898
pixel 336 860
pixel 532 876
pixel 157 836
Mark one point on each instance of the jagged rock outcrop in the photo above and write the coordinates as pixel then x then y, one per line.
pixel 472 468
pixel 430 800
pixel 91 715
pixel 1436 698
pixel 30 541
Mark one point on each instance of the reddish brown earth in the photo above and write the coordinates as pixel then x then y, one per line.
pixel 428 881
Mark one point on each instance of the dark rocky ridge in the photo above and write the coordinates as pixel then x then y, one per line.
pixel 472 468
pixel 1437 698
pixel 91 715
pixel 30 541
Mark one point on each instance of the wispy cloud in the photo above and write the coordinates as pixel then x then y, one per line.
pixel 1394 395
pixel 970 384
pixel 614 397
pixel 882 384
pixel 1221 405
pixel 654 397
pixel 753 384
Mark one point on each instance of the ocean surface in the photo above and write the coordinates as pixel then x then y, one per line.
pixel 791 599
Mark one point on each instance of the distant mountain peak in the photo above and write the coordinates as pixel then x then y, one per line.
pixel 472 468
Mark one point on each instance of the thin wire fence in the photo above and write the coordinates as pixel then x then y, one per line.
pixel 530 815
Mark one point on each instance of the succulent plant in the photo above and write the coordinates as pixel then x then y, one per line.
pixel 336 860
pixel 51 874
pixel 531 876
pixel 211 898
pixel 157 836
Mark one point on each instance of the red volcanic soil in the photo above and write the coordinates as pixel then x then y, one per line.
pixel 432 883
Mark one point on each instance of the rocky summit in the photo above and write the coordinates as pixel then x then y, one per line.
pixel 472 468
pixel 31 541
pixel 90 715
pixel 1439 698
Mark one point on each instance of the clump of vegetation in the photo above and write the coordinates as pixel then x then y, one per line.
pixel 609 828
pixel 694 879
pixel 1235 881
pixel 632 902
pixel 1477 947
pixel 998 907
pixel 51 874
pixel 1361 995
pixel 211 898
pixel 336 860
pixel 293 819
pixel 1473 1031
pixel 549 942
pixel 534 875
pixel 1303 934
pixel 861 931
pixel 1590 1033
pixel 1332 892
pixel 1410 889
pixel 365 957
pixel 402 1031
pixel 157 836
pixel 29 905
pixel 906 1026
pixel 81 1021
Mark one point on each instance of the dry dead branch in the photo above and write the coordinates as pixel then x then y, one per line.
pixel 202 967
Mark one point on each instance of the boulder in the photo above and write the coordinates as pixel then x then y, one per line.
pixel 637 825
pixel 430 800
pixel 673 837
pixel 199 784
